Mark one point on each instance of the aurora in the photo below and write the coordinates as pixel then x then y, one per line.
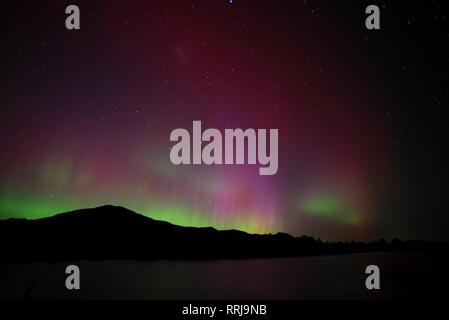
pixel 86 117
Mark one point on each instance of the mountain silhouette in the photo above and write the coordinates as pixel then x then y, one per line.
pixel 113 232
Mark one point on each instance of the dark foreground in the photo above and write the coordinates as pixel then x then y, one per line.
pixel 403 276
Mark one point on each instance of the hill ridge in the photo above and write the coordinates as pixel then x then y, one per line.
pixel 115 232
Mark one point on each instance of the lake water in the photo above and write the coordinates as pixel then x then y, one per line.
pixel 403 275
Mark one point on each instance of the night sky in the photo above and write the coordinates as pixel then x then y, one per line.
pixel 86 115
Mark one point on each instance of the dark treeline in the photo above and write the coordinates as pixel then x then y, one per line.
pixel 111 232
